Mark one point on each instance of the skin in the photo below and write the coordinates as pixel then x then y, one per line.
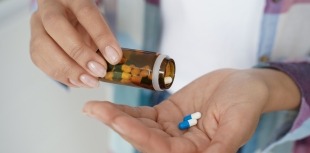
pixel 65 36
pixel 231 102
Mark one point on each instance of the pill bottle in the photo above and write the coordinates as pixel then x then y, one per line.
pixel 144 69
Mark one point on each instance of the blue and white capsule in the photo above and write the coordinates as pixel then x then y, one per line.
pixel 196 116
pixel 187 124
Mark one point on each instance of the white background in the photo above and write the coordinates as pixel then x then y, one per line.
pixel 37 115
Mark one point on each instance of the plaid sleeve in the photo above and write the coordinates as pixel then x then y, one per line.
pixel 300 130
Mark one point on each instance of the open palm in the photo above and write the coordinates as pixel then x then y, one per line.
pixel 230 114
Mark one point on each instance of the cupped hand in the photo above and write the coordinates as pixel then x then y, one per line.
pixel 231 102
pixel 65 36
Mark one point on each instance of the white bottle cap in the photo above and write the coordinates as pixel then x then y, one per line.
pixel 156 69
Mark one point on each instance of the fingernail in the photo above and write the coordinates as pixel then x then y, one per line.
pixel 89 81
pixel 117 128
pixel 111 54
pixel 96 68
pixel 74 83
pixel 89 115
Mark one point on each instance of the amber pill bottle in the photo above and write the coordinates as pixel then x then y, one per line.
pixel 143 69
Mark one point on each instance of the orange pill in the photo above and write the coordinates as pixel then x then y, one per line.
pixel 109 76
pixel 135 71
pixel 136 79
pixel 144 73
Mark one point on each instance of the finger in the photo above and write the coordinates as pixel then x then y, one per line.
pixel 167 123
pixel 150 123
pixel 86 37
pixel 139 112
pixel 145 114
pixel 51 59
pixel 66 36
pixel 131 129
pixel 92 20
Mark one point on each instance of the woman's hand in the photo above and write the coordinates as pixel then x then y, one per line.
pixel 65 36
pixel 231 102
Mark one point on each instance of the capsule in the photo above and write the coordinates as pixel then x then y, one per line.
pixel 135 71
pixel 187 124
pixel 117 76
pixel 144 73
pixel 143 69
pixel 196 116
pixel 122 68
pixel 168 80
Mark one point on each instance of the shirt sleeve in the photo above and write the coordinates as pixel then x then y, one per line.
pixel 299 132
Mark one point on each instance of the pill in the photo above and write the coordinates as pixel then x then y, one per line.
pixel 167 80
pixel 135 71
pixel 144 73
pixel 187 124
pixel 122 68
pixel 196 116
pixel 109 76
pixel 117 75
pixel 136 79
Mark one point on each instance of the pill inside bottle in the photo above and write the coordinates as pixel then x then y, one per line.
pixel 143 69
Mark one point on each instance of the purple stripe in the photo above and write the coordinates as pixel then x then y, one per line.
pixel 273 7
pixel 300 73
pixel 155 2
pixel 304 114
pixel 302 146
pixel 281 6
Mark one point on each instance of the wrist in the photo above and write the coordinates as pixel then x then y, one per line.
pixel 283 92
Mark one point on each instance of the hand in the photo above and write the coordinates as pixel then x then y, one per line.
pixel 231 102
pixel 65 36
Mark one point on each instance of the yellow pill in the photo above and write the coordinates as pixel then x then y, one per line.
pixel 122 68
pixel 123 75
pixel 109 76
pixel 117 75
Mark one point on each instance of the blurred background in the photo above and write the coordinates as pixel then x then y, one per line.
pixel 37 114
